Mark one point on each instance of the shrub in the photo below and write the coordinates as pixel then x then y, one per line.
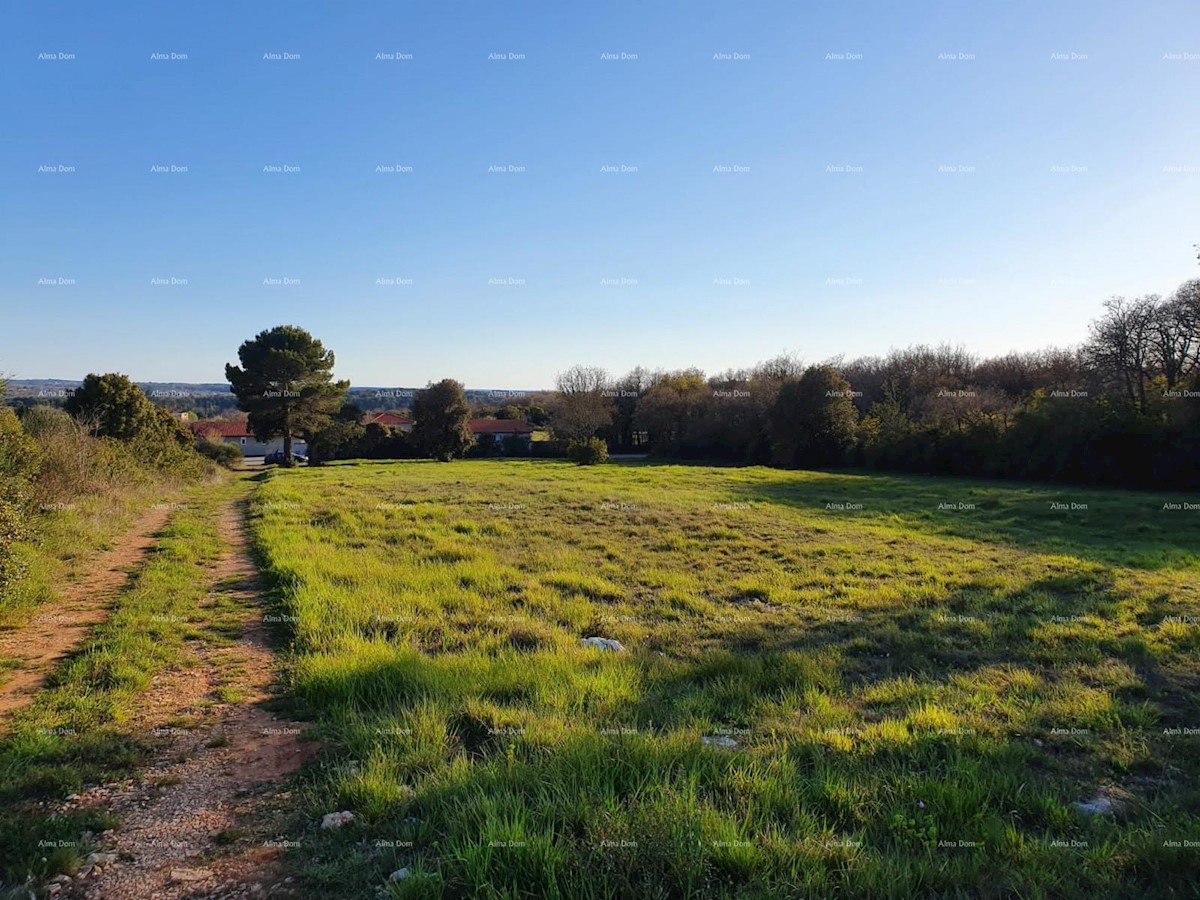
pixel 228 455
pixel 587 452
pixel 515 445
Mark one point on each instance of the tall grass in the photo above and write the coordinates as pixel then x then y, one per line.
pixel 917 696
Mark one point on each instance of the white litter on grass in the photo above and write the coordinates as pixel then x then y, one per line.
pixel 604 644
pixel 720 741
pixel 399 875
pixel 337 819
pixel 1097 806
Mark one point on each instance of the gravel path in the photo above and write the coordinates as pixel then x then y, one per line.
pixel 196 824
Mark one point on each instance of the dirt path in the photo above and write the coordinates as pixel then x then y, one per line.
pixel 198 821
pixel 39 644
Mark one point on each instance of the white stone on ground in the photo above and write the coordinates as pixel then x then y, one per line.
pixel 1097 806
pixel 603 644
pixel 337 819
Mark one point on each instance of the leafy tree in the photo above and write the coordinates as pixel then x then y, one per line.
pixel 813 421
pixel 440 428
pixel 285 383
pixel 536 415
pixel 339 437
pixel 113 406
pixel 668 409
pixel 629 391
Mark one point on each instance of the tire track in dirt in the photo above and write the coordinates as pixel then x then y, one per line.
pixel 197 823
pixel 41 643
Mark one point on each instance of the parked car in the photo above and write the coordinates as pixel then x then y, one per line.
pixel 278 457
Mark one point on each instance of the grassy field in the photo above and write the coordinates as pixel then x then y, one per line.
pixel 899 699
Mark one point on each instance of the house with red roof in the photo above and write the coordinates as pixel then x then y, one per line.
pixel 237 433
pixel 501 429
pixel 388 420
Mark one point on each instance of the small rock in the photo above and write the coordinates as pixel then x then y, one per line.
pixel 720 740
pixel 337 819
pixel 53 889
pixel 399 875
pixel 191 874
pixel 101 858
pixel 61 879
pixel 604 644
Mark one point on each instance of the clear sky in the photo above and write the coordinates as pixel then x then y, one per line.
pixel 818 177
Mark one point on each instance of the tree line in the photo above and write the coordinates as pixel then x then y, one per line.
pixel 1123 409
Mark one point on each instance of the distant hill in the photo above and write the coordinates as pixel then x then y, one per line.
pixel 213 398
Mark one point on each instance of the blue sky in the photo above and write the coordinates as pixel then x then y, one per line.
pixel 775 181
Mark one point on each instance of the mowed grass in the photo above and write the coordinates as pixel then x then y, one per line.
pixel 918 696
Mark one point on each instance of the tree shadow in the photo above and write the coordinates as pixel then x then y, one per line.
pixel 1114 527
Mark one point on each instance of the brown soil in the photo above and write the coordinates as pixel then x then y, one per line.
pixel 39 644
pixel 198 822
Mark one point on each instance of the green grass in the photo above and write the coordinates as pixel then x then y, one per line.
pixel 80 730
pixel 919 696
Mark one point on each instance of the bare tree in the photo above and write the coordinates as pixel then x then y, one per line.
pixel 584 403
pixel 1121 346
pixel 1176 337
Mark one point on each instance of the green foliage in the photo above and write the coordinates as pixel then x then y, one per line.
pixel 916 830
pixel 113 406
pixel 487 445
pixel 227 454
pixel 813 422
pixel 515 445
pixel 285 383
pixel 339 438
pixel 19 463
pixel 440 414
pixel 587 452
pixel 537 415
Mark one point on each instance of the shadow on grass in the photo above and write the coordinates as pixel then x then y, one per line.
pixel 1115 527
